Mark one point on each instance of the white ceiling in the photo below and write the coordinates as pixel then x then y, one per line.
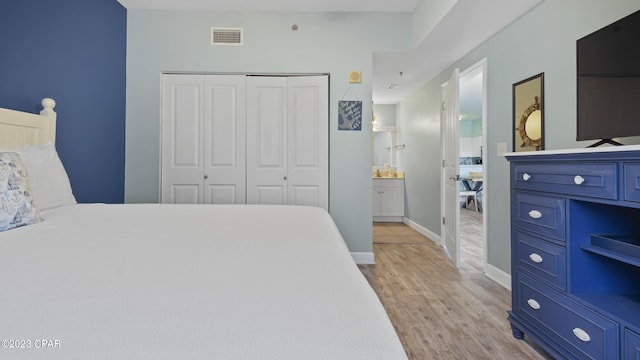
pixel 274 5
pixel 466 25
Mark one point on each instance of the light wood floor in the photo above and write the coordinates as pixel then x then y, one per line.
pixel 441 312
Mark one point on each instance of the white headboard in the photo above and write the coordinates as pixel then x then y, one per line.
pixel 18 129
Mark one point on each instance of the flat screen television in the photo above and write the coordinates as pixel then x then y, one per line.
pixel 608 78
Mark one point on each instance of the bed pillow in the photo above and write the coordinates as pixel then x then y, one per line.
pixel 48 179
pixel 16 205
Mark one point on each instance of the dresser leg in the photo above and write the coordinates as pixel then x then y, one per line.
pixel 517 333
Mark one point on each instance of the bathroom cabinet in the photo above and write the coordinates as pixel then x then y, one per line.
pixel 388 199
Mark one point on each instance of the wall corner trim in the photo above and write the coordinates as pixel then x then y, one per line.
pixel 363 258
pixel 498 276
pixel 422 230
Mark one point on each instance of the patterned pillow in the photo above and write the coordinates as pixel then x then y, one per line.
pixel 16 207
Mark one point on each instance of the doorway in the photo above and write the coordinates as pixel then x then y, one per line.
pixel 472 135
pixel 464 181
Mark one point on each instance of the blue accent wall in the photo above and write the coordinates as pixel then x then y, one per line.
pixel 73 51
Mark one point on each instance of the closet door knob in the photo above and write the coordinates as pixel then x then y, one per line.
pixel 206 176
pixel 284 177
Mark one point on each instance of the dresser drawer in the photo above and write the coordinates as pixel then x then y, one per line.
pixel 543 215
pixel 632 341
pixel 578 328
pixel 632 182
pixel 543 260
pixel 582 178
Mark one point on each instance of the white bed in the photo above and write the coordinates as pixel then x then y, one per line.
pixel 152 281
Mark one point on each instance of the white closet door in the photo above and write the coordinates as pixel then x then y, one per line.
pixel 266 140
pixel 235 139
pixel 224 139
pixel 308 141
pixel 182 150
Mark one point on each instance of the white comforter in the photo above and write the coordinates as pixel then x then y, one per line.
pixel 187 282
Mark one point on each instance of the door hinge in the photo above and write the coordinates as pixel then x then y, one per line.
pixel 443 222
pixel 443 163
pixel 443 106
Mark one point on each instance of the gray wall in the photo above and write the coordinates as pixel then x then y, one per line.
pixel 333 43
pixel 418 127
pixel 542 40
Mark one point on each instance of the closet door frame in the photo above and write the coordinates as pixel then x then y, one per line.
pixel 297 174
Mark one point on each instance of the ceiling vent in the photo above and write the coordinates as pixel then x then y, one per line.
pixel 226 36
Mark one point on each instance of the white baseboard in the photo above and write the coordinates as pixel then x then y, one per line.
pixel 422 230
pixel 363 258
pixel 498 276
pixel 387 219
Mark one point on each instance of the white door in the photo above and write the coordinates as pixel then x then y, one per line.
pixel 203 139
pixel 451 166
pixel 266 140
pixel 308 141
pixel 224 139
pixel 288 140
pixel 182 136
pixel 245 139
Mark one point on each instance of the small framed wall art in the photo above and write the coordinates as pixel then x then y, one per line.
pixel 350 115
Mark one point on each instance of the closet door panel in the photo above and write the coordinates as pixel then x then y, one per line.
pixel 221 194
pixel 266 140
pixel 303 128
pixel 308 138
pixel 271 195
pixel 304 195
pixel 182 155
pixel 225 140
pixel 185 193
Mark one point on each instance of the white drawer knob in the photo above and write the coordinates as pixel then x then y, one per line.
pixel 535 258
pixel 534 305
pixel 526 177
pixel 578 180
pixel 581 334
pixel 535 214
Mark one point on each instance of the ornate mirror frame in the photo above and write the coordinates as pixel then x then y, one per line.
pixel 528 114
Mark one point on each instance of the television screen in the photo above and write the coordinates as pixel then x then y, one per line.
pixel 608 74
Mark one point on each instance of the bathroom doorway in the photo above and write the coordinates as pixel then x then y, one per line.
pixel 473 180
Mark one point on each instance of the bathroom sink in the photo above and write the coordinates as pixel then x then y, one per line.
pixel 382 175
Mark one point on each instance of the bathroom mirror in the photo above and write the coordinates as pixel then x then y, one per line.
pixel 383 148
pixel 528 114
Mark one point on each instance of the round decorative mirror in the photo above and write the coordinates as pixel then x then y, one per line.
pixel 530 127
pixel 528 119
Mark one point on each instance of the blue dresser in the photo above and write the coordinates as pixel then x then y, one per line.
pixel 575 251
